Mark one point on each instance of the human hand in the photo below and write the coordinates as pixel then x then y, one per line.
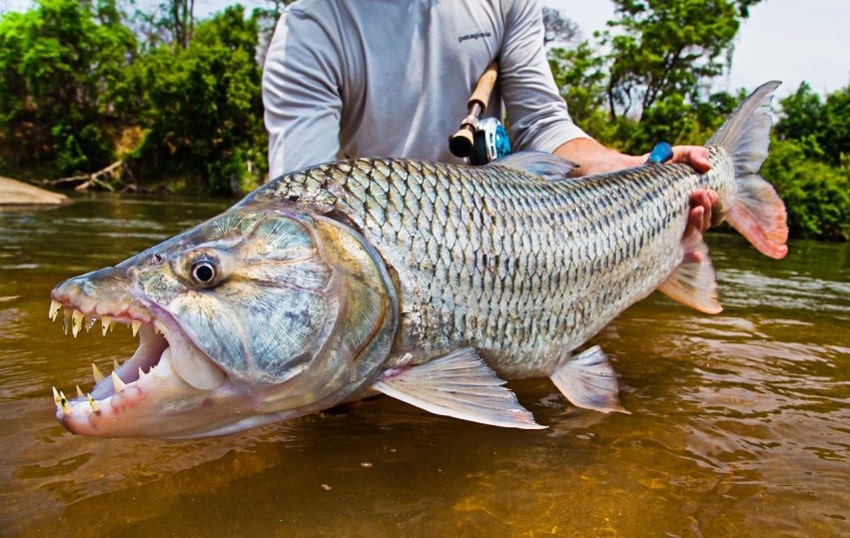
pixel 699 219
pixel 696 156
pixel 702 200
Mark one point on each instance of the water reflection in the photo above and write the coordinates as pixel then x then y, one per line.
pixel 740 422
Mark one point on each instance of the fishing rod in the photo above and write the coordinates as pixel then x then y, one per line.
pixel 481 140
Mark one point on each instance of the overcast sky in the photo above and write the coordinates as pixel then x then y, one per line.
pixel 787 40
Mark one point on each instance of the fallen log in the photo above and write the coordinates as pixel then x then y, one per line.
pixel 84 181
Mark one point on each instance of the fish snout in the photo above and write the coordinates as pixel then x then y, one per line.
pixel 87 291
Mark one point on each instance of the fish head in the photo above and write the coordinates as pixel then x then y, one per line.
pixel 257 315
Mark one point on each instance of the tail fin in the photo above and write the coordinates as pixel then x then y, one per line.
pixel 756 211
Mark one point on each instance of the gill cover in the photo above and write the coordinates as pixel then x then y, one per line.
pixel 296 306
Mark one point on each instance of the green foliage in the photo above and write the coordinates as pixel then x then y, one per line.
pixel 809 164
pixel 664 50
pixel 827 124
pixel 580 74
pixel 56 63
pixel 202 105
pixel 655 51
pixel 815 193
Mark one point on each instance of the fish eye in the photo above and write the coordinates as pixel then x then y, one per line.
pixel 204 271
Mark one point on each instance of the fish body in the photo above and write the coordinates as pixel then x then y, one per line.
pixel 429 282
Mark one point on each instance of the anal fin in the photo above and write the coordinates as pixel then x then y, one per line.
pixel 588 381
pixel 693 283
pixel 459 385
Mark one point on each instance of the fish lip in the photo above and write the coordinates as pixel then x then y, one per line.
pixel 143 376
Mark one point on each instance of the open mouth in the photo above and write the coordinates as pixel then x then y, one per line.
pixel 164 356
pixel 152 345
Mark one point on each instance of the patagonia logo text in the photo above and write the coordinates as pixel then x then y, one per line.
pixel 476 35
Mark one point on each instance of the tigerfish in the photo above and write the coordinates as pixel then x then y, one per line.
pixel 428 282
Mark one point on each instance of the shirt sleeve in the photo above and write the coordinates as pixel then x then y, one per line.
pixel 537 113
pixel 301 94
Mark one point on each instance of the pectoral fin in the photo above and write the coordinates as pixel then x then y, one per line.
pixel 459 385
pixel 588 380
pixel 693 283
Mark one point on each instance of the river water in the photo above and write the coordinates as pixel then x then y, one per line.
pixel 740 422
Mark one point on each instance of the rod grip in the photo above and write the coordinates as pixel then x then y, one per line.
pixel 484 88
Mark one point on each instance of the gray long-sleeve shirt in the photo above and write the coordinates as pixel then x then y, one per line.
pixel 390 78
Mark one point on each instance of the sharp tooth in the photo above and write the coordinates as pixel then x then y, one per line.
pixel 136 325
pixel 80 393
pixel 56 397
pixel 105 322
pixel 77 317
pixel 54 309
pixel 66 320
pixel 90 324
pixel 64 403
pixel 93 405
pixel 115 364
pixel 141 373
pixel 98 377
pixel 117 383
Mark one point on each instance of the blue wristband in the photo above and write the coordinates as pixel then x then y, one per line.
pixel 661 153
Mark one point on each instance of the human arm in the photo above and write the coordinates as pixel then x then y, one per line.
pixel 538 124
pixel 595 158
pixel 301 94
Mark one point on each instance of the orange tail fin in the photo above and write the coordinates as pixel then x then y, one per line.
pixel 756 210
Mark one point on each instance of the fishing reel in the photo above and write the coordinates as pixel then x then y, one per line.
pixel 482 140
pixel 490 142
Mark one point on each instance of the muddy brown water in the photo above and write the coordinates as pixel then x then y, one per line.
pixel 740 422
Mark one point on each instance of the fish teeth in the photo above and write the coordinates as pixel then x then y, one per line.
pixel 63 403
pixel 105 324
pixel 93 405
pixel 55 307
pixel 115 364
pixel 136 325
pixel 80 392
pixel 117 383
pixel 98 376
pixel 77 318
pixel 66 320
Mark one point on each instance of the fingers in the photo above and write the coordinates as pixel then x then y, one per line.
pixel 696 221
pixel 696 156
pixel 699 218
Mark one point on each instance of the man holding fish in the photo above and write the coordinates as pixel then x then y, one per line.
pixel 390 79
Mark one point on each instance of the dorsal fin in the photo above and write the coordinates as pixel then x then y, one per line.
pixel 541 164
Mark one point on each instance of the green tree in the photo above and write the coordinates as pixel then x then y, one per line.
pixel 57 63
pixel 816 195
pixel 201 106
pixel 836 140
pixel 660 49
pixel 806 116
